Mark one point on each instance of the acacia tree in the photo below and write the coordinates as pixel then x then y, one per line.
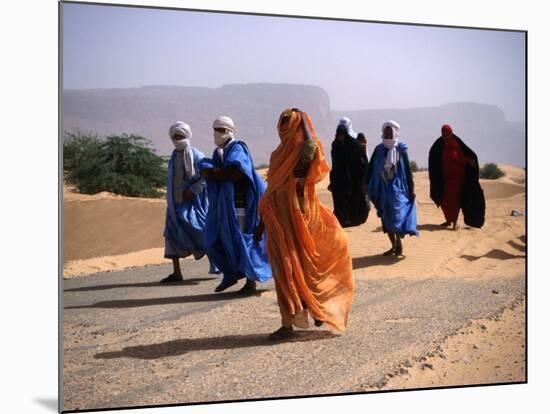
pixel 121 164
pixel 76 145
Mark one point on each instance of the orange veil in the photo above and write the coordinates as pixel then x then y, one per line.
pixel 307 249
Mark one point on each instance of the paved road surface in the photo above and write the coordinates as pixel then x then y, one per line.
pixel 129 341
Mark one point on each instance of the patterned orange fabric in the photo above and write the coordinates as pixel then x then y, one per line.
pixel 307 248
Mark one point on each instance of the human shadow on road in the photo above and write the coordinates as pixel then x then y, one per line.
pixel 374 260
pixel 432 227
pixel 494 254
pixel 183 346
pixel 428 227
pixel 192 281
pixel 136 303
pixel 439 227
pixel 420 227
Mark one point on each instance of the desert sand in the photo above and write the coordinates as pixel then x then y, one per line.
pixel 108 232
pixel 486 351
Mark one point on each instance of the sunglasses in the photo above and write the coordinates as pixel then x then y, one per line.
pixel 222 130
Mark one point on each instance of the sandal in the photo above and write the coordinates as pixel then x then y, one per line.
pixel 282 333
pixel 224 285
pixel 249 287
pixel 171 279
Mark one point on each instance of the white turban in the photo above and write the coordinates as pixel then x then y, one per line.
pixel 183 145
pixel 224 122
pixel 391 144
pixel 346 122
pixel 394 126
pixel 180 128
pixel 222 138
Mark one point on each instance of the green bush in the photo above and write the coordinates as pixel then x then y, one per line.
pixel 77 145
pixel 125 164
pixel 491 171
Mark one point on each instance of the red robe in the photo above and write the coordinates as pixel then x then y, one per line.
pixel 453 177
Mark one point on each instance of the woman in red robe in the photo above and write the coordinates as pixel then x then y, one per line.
pixel 454 163
pixel 454 180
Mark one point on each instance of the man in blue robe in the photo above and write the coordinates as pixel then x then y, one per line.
pixel 187 203
pixel 391 187
pixel 234 192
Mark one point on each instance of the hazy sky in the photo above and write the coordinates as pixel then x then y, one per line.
pixel 360 65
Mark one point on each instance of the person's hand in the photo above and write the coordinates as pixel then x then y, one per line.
pixel 205 173
pixel 258 232
pixel 412 196
pixel 329 188
pixel 188 195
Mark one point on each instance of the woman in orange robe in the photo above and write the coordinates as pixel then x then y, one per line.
pixel 306 246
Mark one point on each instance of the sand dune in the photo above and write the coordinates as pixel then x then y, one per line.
pixel 501 188
pixel 109 225
pixel 515 174
pixel 108 232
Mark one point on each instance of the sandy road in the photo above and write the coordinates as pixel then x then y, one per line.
pixel 129 341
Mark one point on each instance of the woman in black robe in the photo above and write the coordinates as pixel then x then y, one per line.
pixel 347 178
